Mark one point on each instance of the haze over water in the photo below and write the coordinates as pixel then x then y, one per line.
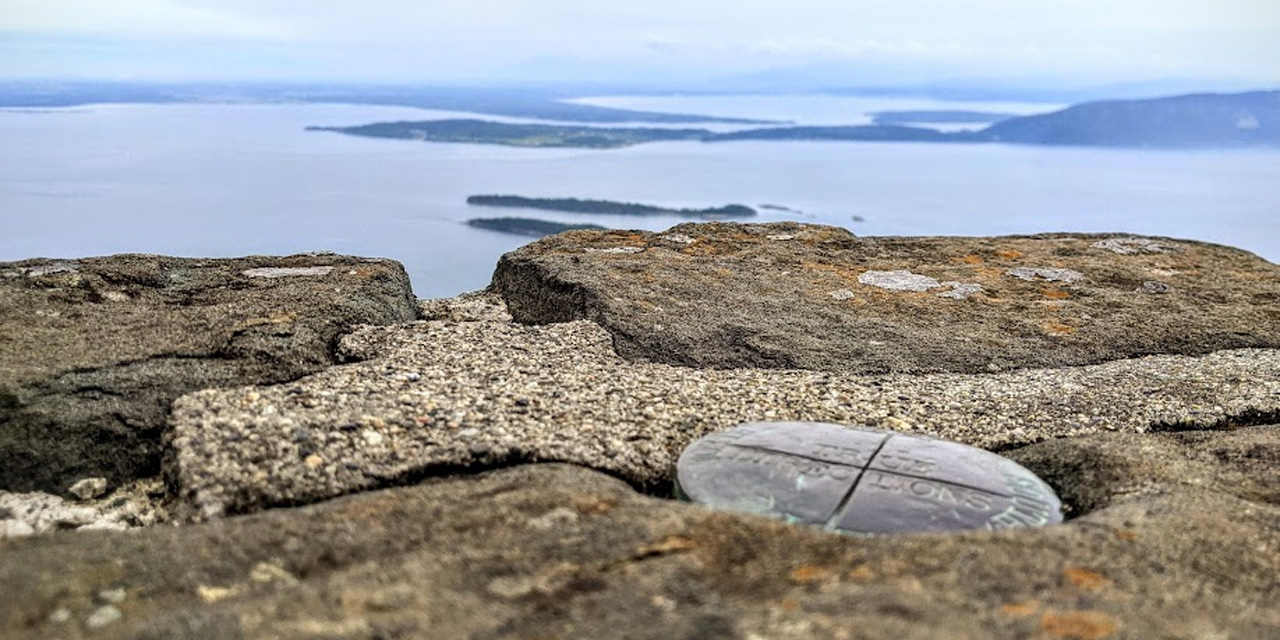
pixel 226 180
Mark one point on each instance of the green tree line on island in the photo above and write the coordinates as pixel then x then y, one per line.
pixel 576 205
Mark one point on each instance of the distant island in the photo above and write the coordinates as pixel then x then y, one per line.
pixel 778 207
pixel 528 226
pixel 926 117
pixel 854 133
pixel 518 135
pixel 1200 120
pixel 608 207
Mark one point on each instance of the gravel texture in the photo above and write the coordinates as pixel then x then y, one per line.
pixel 134 504
pixel 478 391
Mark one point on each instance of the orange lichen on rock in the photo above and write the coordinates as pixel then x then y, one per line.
pixel 1078 625
pixel 1018 609
pixel 809 574
pixel 1085 578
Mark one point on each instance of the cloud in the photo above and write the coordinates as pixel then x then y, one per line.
pixel 156 19
pixel 434 38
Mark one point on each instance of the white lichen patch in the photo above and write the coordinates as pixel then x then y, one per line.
pixel 678 238
pixel 1046 273
pixel 51 269
pixel 614 250
pixel 900 280
pixel 781 236
pixel 1131 246
pixel 842 294
pixel 287 272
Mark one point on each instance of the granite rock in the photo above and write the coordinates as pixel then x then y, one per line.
pixel 441 396
pixel 560 551
pixel 93 351
pixel 738 296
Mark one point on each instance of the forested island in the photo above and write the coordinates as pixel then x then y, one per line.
pixel 1201 120
pixel 608 207
pixel 518 135
pixel 528 226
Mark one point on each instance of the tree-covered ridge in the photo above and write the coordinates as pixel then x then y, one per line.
pixel 528 226
pixel 609 207
pixel 1198 120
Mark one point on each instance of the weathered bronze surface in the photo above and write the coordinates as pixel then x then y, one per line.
pixel 862 480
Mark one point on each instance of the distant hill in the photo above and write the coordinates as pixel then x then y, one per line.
pixel 1198 120
pixel 928 117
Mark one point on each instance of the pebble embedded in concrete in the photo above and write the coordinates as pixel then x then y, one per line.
pixel 103 616
pixel 89 488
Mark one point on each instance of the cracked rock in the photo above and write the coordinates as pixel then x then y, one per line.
pixel 95 351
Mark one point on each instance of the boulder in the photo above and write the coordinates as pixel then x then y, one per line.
pixel 1166 542
pixel 800 296
pixel 476 391
pixel 94 351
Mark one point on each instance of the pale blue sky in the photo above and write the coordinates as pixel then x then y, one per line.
pixel 857 41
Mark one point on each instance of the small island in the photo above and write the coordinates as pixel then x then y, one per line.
pixel 530 227
pixel 778 207
pixel 609 207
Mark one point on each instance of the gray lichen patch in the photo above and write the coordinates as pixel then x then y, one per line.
pixel 615 250
pixel 1046 273
pixel 898 280
pixel 287 272
pixel 53 268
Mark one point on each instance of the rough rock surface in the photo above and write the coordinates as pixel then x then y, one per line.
pixel 1176 547
pixel 93 351
pixel 789 295
pixel 439 396
pixel 1169 463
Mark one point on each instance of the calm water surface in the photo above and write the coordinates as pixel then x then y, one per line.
pixel 228 180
